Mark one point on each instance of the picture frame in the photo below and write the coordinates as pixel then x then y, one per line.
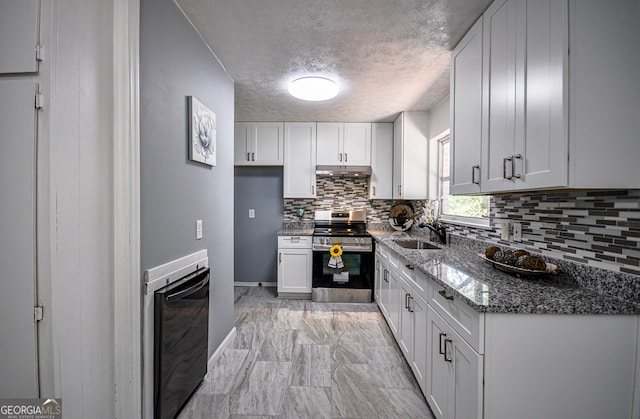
pixel 202 133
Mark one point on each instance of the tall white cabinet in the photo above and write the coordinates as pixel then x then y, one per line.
pixel 410 156
pixel 299 175
pixel 466 112
pixel 295 261
pixel 381 181
pixel 524 140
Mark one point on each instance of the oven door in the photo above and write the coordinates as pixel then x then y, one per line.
pixel 351 283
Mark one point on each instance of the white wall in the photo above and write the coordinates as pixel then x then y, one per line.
pixel 438 118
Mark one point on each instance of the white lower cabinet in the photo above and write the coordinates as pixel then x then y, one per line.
pixel 504 366
pixel 295 260
pixel 454 384
pixel 412 336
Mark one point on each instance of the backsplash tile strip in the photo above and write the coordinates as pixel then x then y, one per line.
pixel 597 228
pixel 335 192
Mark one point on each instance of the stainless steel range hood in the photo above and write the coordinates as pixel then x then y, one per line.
pixel 345 171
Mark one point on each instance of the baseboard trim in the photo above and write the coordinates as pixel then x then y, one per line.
pixel 228 340
pixel 255 284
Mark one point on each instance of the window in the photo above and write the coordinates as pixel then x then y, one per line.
pixel 463 209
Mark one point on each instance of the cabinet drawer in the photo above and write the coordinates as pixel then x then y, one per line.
pixel 419 282
pixel 463 319
pixel 294 242
pixel 382 251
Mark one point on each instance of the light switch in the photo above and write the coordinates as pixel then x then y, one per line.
pixel 198 229
pixel 517 232
pixel 504 234
pixel 252 213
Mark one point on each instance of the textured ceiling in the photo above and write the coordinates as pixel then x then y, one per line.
pixel 387 55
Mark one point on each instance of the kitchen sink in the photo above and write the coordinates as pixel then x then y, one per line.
pixel 416 244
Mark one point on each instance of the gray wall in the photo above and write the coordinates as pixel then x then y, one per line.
pixel 175 192
pixel 256 242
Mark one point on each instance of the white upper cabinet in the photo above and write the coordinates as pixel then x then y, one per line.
pixel 344 144
pixel 381 182
pixel 410 156
pixel 550 119
pixel 524 141
pixel 259 144
pixel 19 36
pixel 300 160
pixel 466 112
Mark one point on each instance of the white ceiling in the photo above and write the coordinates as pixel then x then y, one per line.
pixel 387 55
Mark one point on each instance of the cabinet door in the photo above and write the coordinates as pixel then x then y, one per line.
pixel 393 302
pixel 357 144
pixel 330 143
pixel 500 42
pixel 454 382
pixel 418 307
pixel 299 160
pixel 381 182
pixel 267 140
pixel 294 270
pixel 410 156
pixel 19 36
pixel 405 326
pixel 542 140
pixel 384 289
pixel 398 147
pixel 466 112
pixel 242 144
pixel 18 344
pixel 440 378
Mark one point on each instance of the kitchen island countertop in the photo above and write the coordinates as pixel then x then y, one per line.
pixel 487 289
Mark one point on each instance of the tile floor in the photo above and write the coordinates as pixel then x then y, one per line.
pixel 298 359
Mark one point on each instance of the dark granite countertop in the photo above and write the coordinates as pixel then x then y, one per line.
pixel 296 232
pixel 487 289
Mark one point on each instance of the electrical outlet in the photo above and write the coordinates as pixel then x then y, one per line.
pixel 198 229
pixel 504 234
pixel 252 213
pixel 517 232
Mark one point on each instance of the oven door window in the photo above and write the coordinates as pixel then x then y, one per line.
pixel 354 274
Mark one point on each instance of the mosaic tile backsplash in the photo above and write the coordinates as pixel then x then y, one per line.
pixel 597 228
pixel 343 193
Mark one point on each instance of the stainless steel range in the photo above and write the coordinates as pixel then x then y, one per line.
pixel 351 280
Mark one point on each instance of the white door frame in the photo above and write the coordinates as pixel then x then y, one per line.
pixel 127 281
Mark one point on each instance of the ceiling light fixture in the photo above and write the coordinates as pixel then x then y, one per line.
pixel 313 88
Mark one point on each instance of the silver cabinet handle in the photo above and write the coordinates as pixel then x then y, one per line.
pixel 248 156
pixel 513 165
pixel 444 294
pixel 279 257
pixel 410 267
pixel 339 156
pixel 253 156
pixel 406 301
pixel 386 276
pixel 374 190
pixel 473 174
pixel 410 306
pixel 313 190
pixel 447 358
pixel 295 239
pixel 504 167
pixel 440 350
pixel 399 189
pixel 345 158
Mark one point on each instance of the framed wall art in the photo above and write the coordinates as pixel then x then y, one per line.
pixel 202 133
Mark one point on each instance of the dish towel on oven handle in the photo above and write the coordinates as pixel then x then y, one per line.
pixel 335 261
